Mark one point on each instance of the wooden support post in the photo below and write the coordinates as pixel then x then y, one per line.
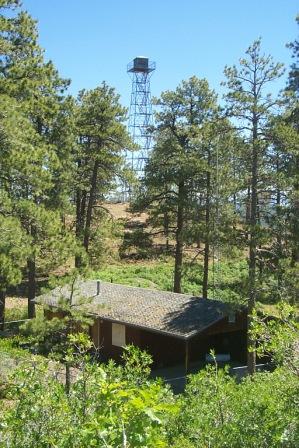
pixel 186 356
pixel 99 331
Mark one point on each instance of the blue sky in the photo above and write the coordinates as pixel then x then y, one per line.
pixel 93 40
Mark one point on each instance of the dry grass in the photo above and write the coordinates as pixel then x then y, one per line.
pixel 121 211
pixel 15 302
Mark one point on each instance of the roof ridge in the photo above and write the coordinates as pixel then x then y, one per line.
pixel 148 289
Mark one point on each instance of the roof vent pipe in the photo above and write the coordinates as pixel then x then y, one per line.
pixel 98 287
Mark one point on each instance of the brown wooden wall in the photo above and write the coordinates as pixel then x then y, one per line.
pixel 233 343
pixel 166 350
pixel 223 337
pixel 224 325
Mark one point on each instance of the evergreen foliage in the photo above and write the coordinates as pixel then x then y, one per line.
pixel 102 136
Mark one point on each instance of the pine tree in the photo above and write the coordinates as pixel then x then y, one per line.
pixel 178 169
pixel 249 102
pixel 293 121
pixel 32 156
pixel 102 136
pixel 14 247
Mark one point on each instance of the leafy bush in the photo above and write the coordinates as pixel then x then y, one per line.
pixel 120 406
pixel 278 337
pixel 262 411
pixel 11 356
pixel 137 366
pixel 97 412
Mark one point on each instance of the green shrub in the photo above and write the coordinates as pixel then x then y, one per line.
pixel 260 412
pixel 97 412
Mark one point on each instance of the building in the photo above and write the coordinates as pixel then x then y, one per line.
pixel 173 328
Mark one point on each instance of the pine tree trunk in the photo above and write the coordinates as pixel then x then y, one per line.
pixel 179 240
pixel 2 310
pixel 80 219
pixel 166 230
pixel 259 261
pixel 90 205
pixel 251 356
pixel 248 206
pixel 78 260
pixel 78 212
pixel 31 269
pixel 295 224
pixel 205 282
pixel 198 237
pixel 67 378
pixel 278 230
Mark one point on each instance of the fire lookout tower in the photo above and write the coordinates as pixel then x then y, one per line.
pixel 140 114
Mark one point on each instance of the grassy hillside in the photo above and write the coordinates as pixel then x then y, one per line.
pixel 227 279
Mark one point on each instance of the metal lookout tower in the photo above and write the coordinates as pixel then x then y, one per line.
pixel 140 114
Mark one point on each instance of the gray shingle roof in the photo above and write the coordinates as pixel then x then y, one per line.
pixel 179 315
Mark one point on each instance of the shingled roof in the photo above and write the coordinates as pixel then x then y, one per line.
pixel 178 315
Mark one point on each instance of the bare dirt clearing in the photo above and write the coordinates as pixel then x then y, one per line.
pixel 121 210
pixel 15 302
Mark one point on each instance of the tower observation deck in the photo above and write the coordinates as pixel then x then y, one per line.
pixel 140 113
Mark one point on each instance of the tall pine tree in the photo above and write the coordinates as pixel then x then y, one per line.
pixel 250 103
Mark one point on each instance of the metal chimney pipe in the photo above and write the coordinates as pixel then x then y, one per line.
pixel 98 287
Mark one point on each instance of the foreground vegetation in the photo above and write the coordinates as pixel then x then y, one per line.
pixel 120 406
